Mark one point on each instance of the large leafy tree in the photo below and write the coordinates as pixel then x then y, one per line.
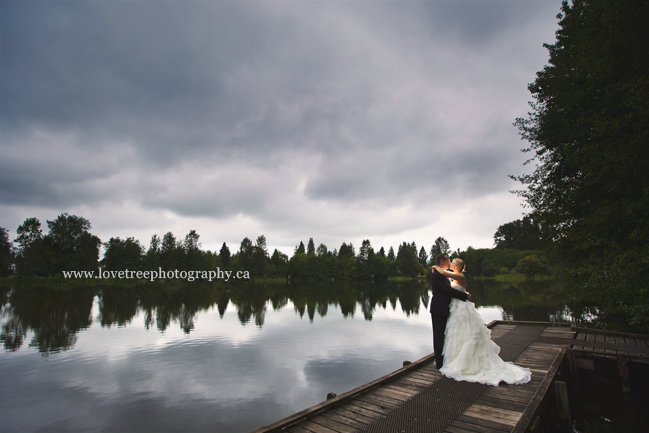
pixel 33 255
pixel 523 234
pixel 123 254
pixel 74 247
pixel 588 136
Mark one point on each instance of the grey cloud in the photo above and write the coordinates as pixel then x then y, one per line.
pixel 214 109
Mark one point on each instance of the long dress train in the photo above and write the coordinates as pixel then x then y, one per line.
pixel 469 352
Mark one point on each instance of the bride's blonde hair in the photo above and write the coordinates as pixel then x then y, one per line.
pixel 460 264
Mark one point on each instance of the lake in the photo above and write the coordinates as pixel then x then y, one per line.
pixel 225 358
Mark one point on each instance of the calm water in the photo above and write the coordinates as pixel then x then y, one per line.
pixel 166 358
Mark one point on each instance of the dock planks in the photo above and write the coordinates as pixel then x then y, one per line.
pixel 417 397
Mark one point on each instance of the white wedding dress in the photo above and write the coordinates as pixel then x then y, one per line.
pixel 469 352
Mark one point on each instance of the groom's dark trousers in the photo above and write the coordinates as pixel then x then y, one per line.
pixel 439 309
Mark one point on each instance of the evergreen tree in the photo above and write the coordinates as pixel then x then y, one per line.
pixel 423 257
pixel 346 251
pixel 310 250
pixel 224 255
pixel 279 263
pixel 300 249
pixel 407 262
pixel 151 260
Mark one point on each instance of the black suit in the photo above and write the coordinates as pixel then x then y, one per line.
pixel 439 310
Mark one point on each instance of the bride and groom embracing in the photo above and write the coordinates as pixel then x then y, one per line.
pixel 461 341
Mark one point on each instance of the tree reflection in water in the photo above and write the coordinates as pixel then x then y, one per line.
pixel 56 313
pixel 53 315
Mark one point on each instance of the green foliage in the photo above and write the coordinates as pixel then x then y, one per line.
pixel 441 246
pixel 28 233
pixel 260 257
pixel 6 254
pixel 485 262
pixel 322 250
pixel 123 254
pixel 278 264
pixel 300 249
pixel 69 245
pixel 310 249
pixel 170 252
pixel 346 251
pixel 73 245
pixel 423 257
pixel 244 259
pixel 407 261
pixel 522 234
pixel 533 265
pixel 588 136
pixel 224 255
pixel 151 260
pixel 36 260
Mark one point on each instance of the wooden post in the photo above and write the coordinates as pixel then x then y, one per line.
pixel 624 373
pixel 561 389
pixel 573 368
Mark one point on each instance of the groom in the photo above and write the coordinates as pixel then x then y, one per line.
pixel 439 306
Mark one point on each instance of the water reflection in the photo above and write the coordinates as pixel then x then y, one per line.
pixel 205 357
pixel 523 300
pixel 56 314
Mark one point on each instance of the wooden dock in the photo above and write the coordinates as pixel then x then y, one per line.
pixel 417 398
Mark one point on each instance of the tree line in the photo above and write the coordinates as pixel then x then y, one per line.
pixel 69 245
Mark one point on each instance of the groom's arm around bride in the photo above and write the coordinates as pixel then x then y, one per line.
pixel 439 306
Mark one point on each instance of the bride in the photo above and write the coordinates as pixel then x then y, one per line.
pixel 469 352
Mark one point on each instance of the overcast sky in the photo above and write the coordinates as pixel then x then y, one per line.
pixel 337 120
